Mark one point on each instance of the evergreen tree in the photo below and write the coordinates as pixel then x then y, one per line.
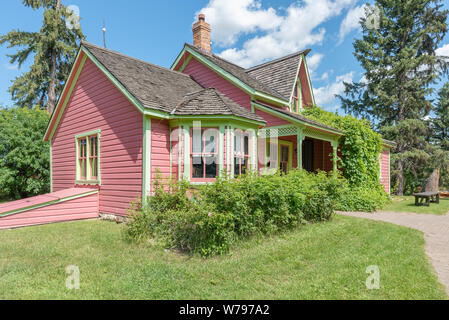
pixel 54 48
pixel 440 122
pixel 397 53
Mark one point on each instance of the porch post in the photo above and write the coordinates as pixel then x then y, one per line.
pixel 299 139
pixel 335 154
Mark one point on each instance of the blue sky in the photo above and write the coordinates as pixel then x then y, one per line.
pixel 247 32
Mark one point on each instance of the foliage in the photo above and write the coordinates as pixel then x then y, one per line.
pixel 210 219
pixel 440 134
pixel 360 147
pixel 400 66
pixel 24 156
pixel 54 49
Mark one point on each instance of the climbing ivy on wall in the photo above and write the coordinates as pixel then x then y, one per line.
pixel 360 147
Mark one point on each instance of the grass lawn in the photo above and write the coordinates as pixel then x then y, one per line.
pixel 319 261
pixel 407 204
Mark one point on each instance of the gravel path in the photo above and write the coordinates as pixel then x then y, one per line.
pixel 436 234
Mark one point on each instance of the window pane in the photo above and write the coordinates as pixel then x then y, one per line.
pixel 197 167
pixel 296 93
pixel 244 165
pixel 246 145
pixel 211 167
pixel 236 166
pixel 197 145
pixel 237 142
pixel 210 138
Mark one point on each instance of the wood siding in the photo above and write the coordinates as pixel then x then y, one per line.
pixel 97 104
pixel 160 151
pixel 77 209
pixel 208 78
pixel 385 170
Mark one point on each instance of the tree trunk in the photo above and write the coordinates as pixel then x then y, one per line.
pixel 51 103
pixel 432 182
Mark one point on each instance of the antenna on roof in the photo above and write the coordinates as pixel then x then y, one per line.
pixel 104 33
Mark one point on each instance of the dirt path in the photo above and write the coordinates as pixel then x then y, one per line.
pixel 436 234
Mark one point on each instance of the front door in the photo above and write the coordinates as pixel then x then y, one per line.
pixel 307 155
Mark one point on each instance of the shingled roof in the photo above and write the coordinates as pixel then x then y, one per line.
pixel 240 73
pixel 211 102
pixel 279 74
pixel 302 118
pixel 154 86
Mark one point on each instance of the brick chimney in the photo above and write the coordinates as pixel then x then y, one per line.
pixel 201 34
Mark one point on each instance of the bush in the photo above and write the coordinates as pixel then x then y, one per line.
pixel 210 219
pixel 24 156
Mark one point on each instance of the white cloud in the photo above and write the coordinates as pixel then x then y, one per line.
pixel 351 21
pixel 443 51
pixel 231 18
pixel 326 95
pixel 9 66
pixel 278 34
pixel 314 61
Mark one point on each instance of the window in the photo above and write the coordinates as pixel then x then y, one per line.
pixel 296 101
pixel 204 155
pixel 241 152
pixel 87 150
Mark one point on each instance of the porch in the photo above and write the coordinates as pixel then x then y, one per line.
pixel 291 146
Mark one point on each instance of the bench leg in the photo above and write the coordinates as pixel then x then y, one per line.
pixel 438 198
pixel 416 201
pixel 427 201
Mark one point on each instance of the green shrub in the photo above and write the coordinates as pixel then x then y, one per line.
pixel 24 156
pixel 210 219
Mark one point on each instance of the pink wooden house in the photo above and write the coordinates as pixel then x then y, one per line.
pixel 121 122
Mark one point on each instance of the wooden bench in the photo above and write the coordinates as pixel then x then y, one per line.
pixel 430 196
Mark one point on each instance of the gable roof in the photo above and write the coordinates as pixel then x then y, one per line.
pixel 239 73
pixel 279 74
pixel 155 87
pixel 211 102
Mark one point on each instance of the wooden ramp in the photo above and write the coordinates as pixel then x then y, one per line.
pixel 65 205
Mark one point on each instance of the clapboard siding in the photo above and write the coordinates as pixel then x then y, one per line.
pixel 77 209
pixel 96 103
pixel 385 170
pixel 208 78
pixel 160 150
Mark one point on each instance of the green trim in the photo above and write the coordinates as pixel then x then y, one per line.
pixel 9 213
pixel 67 98
pixel 228 76
pixel 299 139
pixel 86 135
pixel 310 82
pixel 186 173
pixel 290 153
pixel 146 158
pixel 51 167
pixel 296 80
pixel 294 120
pixel 220 150
pixel 189 57
pixel 218 117
pixel 90 133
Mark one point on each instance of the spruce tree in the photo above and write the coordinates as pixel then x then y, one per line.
pixel 398 56
pixel 54 48
pixel 440 121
